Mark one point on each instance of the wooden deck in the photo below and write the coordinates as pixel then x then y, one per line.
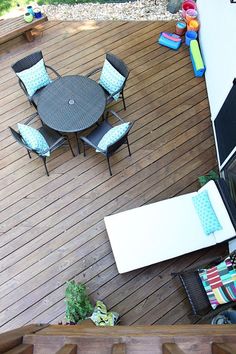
pixel 52 228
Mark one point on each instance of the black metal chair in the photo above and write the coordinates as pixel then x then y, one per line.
pixel 196 293
pixel 26 63
pixel 96 135
pixel 53 138
pixel 122 68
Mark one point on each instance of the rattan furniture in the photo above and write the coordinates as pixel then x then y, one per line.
pixel 122 68
pixel 71 104
pixel 52 137
pixel 26 63
pixel 195 291
pixel 96 135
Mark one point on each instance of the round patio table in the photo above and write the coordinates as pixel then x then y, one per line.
pixel 71 103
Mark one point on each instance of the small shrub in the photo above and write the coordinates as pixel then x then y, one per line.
pixel 212 175
pixel 78 305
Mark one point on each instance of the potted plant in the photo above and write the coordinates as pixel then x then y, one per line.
pixel 78 305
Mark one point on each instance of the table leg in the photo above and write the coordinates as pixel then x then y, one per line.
pixel 77 140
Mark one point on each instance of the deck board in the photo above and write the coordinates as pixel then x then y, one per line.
pixel 51 228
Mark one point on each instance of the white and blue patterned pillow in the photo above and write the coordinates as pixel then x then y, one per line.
pixel 206 213
pixel 34 139
pixel 113 135
pixel 35 77
pixel 111 79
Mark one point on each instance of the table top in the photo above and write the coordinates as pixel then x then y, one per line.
pixel 71 103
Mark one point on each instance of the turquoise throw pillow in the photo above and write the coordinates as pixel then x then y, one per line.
pixel 113 135
pixel 206 213
pixel 34 139
pixel 111 79
pixel 35 77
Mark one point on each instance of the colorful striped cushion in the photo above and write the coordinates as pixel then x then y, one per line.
pixel 219 283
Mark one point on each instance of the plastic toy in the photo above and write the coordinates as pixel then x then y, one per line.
pixel 196 58
pixel 186 5
pixel 189 36
pixel 170 40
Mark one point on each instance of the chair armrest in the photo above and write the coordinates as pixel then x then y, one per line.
pixel 55 144
pixel 87 141
pixel 208 263
pixel 115 93
pixel 53 70
pixel 30 118
pixel 94 71
pixel 22 86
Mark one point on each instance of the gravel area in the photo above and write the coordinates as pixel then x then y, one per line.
pixel 139 10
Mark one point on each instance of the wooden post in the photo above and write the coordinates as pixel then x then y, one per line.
pixel 68 349
pixel 171 348
pixel 119 348
pixel 23 349
pixel 28 35
pixel 222 348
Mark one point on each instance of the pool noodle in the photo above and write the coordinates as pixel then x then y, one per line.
pixel 196 58
pixel 195 51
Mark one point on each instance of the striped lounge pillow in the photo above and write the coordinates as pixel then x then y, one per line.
pixel 219 283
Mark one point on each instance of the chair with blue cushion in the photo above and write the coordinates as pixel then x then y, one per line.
pixel 42 141
pixel 106 138
pixel 113 77
pixel 29 62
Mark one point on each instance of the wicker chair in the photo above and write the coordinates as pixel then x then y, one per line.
pixel 196 293
pixel 96 135
pixel 26 63
pixel 52 137
pixel 122 68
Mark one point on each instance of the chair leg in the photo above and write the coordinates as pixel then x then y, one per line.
pixel 127 141
pixel 45 165
pixel 83 148
pixel 68 140
pixel 109 166
pixel 77 140
pixel 29 153
pixel 123 99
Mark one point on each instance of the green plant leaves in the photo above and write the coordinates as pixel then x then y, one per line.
pixel 78 305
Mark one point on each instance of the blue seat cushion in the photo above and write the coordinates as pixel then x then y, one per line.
pixel 35 77
pixel 112 136
pixel 34 139
pixel 206 213
pixel 111 79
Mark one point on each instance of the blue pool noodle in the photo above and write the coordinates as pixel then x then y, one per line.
pixel 196 58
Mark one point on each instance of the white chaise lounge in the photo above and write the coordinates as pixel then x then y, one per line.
pixel 156 232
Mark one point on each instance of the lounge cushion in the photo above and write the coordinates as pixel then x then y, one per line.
pixel 206 213
pixel 35 77
pixel 111 80
pixel 34 139
pixel 219 283
pixel 113 135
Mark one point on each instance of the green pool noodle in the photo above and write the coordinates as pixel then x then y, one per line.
pixel 196 54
